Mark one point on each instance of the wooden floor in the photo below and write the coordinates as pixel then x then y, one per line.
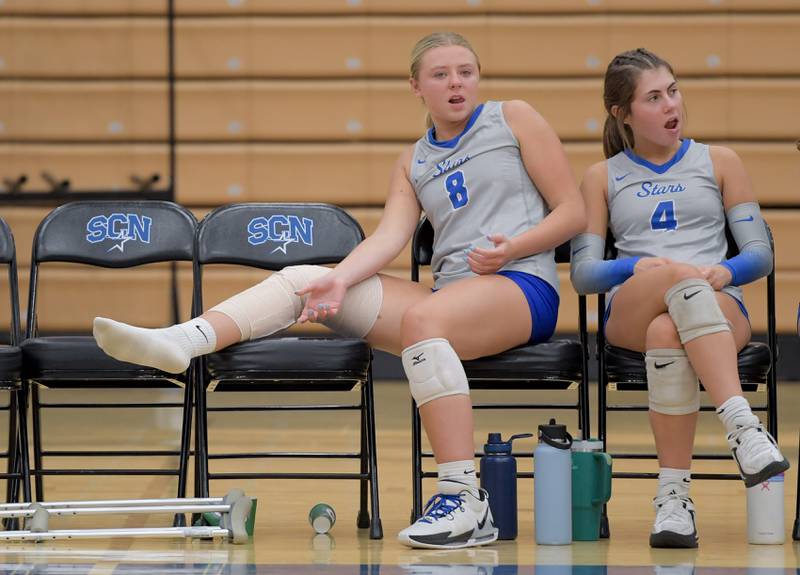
pixel 284 538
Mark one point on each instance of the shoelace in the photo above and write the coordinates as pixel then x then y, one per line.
pixel 441 505
pixel 673 506
pixel 751 443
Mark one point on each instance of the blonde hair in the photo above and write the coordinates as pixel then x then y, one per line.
pixel 437 40
pixel 619 87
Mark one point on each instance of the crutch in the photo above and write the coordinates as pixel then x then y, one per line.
pixel 234 510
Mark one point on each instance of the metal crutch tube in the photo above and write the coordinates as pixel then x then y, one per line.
pixel 234 509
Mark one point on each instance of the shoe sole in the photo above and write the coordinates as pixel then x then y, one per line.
pixel 770 470
pixel 672 540
pixel 474 542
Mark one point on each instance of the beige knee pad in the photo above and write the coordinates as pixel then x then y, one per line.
pixel 672 385
pixel 272 305
pixel 434 370
pixel 359 309
pixel 694 309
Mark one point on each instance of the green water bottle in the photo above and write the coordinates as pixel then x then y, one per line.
pixel 591 488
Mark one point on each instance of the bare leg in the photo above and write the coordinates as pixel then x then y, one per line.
pixel 478 316
pixel 674 434
pixel 226 329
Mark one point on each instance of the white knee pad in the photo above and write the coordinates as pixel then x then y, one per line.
pixel 434 370
pixel 672 385
pixel 694 309
pixel 272 305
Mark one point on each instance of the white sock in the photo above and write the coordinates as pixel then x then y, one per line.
pixel 736 413
pixel 672 480
pixel 455 476
pixel 169 349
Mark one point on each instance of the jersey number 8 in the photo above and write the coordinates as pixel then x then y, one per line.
pixel 456 189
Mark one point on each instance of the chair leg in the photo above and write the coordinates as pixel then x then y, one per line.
pixel 12 483
pixel 416 462
pixel 376 527
pixel 37 442
pixel 23 456
pixel 363 515
pixel 13 465
pixel 796 528
pixel 602 413
pixel 201 436
pixel 186 436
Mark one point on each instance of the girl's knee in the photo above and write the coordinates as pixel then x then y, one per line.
pixel 419 323
pixel 662 333
pixel 680 271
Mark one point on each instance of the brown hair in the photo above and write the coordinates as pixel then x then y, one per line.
pixel 619 87
pixel 436 40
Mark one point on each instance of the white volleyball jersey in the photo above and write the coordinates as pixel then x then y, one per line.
pixel 473 186
pixel 671 210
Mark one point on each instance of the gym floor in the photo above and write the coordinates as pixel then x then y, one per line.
pixel 284 542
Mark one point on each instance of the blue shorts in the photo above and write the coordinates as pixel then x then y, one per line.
pixel 543 303
pixel 608 310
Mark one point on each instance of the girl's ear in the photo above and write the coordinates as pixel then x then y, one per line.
pixel 414 85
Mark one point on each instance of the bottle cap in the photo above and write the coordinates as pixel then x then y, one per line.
pixel 555 435
pixel 495 444
pixel 587 445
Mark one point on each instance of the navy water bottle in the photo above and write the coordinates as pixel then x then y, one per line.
pixel 499 479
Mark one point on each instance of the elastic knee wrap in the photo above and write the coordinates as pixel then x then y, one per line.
pixel 672 385
pixel 694 309
pixel 272 305
pixel 434 370
pixel 359 310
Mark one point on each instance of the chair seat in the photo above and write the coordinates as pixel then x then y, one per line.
pixel 558 360
pixel 289 363
pixel 627 369
pixel 10 366
pixel 77 361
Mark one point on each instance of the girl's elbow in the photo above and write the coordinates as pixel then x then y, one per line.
pixel 580 218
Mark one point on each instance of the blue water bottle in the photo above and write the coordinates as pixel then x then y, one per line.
pixel 552 485
pixel 499 479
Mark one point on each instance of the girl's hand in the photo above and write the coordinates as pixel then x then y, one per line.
pixel 325 296
pixel 718 276
pixel 484 261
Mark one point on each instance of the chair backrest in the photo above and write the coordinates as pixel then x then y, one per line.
pixel 273 235
pixel 111 234
pixel 422 246
pixel 7 251
pixel 115 234
pixel 8 256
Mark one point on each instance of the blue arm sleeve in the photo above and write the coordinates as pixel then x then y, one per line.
pixel 589 272
pixel 755 254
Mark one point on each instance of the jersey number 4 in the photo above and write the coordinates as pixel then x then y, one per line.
pixel 456 189
pixel 663 217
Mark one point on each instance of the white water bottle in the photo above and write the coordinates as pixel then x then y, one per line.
pixel 765 522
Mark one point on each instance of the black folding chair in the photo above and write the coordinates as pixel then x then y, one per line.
pixel 119 234
pixel 293 234
pixel 18 472
pixel 557 364
pixel 624 370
